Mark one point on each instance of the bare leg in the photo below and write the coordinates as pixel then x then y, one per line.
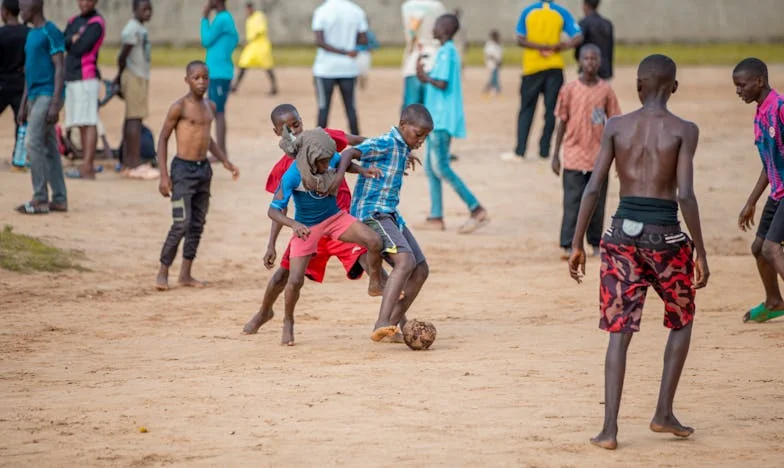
pixel 410 293
pixel 614 373
pixel 162 282
pixel 236 85
pixel 674 358
pixel 404 265
pixel 360 234
pixel 769 277
pixel 273 82
pixel 186 279
pixel 275 287
pixel 220 131
pixel 89 141
pixel 132 135
pixel 293 286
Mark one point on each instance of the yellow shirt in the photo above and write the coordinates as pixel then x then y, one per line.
pixel 543 23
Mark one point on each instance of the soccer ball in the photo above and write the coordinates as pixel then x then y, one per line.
pixel 419 335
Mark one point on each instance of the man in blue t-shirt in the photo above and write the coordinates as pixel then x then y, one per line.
pixel 220 38
pixel 316 214
pixel 41 104
pixel 444 101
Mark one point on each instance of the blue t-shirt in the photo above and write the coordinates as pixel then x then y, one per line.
pixel 310 208
pixel 220 38
pixel 41 44
pixel 446 105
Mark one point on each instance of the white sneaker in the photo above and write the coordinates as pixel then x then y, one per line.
pixel 511 157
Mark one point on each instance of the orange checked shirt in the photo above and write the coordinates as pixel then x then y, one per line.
pixel 584 109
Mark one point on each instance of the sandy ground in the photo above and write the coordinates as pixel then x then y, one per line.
pixel 514 379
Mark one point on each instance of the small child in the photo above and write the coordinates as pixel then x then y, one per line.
pixel 365 58
pixel 751 84
pixel 494 55
pixel 444 101
pixel 375 202
pixel 583 107
pixel 317 215
pixel 41 104
pixel 190 118
pixel 352 256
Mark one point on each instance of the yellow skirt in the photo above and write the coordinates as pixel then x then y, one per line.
pixel 257 54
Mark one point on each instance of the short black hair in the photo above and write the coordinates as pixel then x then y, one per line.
pixel 11 6
pixel 752 66
pixel 659 68
pixel 452 21
pixel 417 114
pixel 278 112
pixel 590 46
pixel 135 4
pixel 195 63
pixel 592 3
pixel 250 5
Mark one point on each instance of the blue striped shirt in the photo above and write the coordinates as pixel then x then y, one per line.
pixel 390 154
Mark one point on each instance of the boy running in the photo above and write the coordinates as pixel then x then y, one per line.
pixel 444 101
pixel 317 215
pixel 350 255
pixel 583 107
pixel 751 84
pixel 653 151
pixel 190 118
pixel 40 108
pixel 375 203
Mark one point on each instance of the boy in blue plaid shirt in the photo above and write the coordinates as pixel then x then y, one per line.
pixel 375 203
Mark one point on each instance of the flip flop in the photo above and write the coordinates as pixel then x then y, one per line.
pixel 31 208
pixel 761 314
pixel 74 173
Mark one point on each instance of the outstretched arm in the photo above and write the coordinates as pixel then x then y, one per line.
pixel 169 124
pixel 688 201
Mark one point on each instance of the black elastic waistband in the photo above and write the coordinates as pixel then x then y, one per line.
pixel 650 211
pixel 192 163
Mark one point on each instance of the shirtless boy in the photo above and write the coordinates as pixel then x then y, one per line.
pixel 653 151
pixel 375 203
pixel 352 256
pixel 317 215
pixel 190 117
pixel 751 85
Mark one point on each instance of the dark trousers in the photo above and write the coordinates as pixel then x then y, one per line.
pixel 324 88
pixel 547 83
pixel 8 98
pixel 574 183
pixel 190 201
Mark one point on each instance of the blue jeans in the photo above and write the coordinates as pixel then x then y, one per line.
pixel 494 83
pixel 413 91
pixel 437 169
pixel 41 144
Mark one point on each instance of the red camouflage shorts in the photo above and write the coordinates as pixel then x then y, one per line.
pixel 661 257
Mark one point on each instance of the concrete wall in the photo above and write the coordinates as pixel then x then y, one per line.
pixel 177 21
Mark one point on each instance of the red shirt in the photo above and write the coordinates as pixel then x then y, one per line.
pixel 280 168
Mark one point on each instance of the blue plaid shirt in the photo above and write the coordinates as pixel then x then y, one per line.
pixel 390 154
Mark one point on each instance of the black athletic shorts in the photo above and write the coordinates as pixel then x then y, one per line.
pixel 771 223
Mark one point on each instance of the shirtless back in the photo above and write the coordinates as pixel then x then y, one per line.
pixel 653 151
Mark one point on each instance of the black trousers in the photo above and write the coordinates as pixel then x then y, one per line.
pixel 190 201
pixel 547 83
pixel 574 183
pixel 324 89
pixel 8 98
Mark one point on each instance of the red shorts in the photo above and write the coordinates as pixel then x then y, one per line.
pixel 327 247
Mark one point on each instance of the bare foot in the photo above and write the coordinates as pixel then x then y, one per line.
pixel 287 339
pixel 257 321
pixel 191 283
pixel 162 281
pixel 382 332
pixel 671 426
pixel 605 441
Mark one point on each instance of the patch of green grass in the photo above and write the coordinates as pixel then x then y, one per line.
pixel 626 54
pixel 25 254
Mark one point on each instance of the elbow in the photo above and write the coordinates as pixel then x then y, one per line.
pixel 686 197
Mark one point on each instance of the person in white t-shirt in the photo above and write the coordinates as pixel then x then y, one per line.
pixel 494 55
pixel 419 17
pixel 339 25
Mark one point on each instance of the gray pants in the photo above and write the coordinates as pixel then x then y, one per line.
pixel 574 183
pixel 46 168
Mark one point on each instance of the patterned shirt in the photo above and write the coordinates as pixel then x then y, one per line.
pixel 389 153
pixel 769 138
pixel 584 109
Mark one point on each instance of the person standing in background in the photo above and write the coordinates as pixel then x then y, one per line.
pixel 12 58
pixel 598 30
pixel 258 49
pixel 419 18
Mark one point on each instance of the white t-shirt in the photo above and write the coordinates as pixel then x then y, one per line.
pixel 134 33
pixel 494 55
pixel 419 17
pixel 341 21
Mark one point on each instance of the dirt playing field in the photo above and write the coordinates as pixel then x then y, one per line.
pixel 515 377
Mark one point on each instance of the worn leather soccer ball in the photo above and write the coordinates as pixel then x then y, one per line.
pixel 419 335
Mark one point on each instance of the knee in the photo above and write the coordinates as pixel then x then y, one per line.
pixel 179 228
pixel 756 247
pixel 294 284
pixel 405 264
pixel 421 272
pixel 770 250
pixel 280 277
